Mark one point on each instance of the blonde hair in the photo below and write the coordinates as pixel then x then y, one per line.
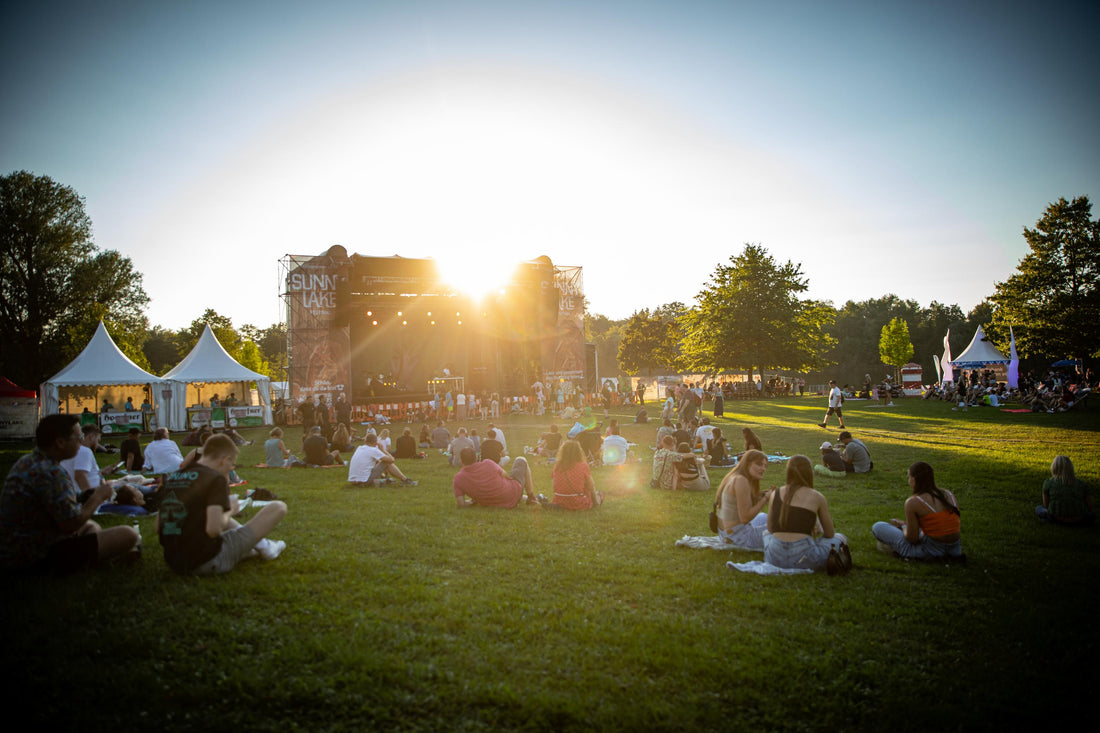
pixel 1062 469
pixel 570 454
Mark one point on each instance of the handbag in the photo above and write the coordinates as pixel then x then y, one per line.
pixel 839 561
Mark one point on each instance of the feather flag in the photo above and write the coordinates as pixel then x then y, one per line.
pixel 1013 363
pixel 939 370
pixel 945 361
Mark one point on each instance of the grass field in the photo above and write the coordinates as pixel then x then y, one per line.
pixel 392 610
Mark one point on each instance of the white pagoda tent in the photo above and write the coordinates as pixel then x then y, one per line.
pixel 208 367
pixel 979 353
pixel 100 366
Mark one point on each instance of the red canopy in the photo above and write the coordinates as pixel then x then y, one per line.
pixel 9 388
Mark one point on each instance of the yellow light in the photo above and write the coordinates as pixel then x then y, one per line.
pixel 460 323
pixel 369 313
pixel 457 313
pixel 404 323
pixel 429 313
pixel 374 323
pixel 399 313
pixel 433 323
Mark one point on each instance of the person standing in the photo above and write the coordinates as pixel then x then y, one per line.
pixel 836 400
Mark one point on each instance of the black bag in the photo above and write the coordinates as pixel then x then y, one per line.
pixel 714 521
pixel 839 561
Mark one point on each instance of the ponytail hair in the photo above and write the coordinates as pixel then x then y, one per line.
pixel 800 473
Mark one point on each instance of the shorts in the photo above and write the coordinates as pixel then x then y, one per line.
pixel 236 544
pixel 520 471
pixel 834 411
pixel 70 555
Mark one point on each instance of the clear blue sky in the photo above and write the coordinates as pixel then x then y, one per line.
pixel 887 147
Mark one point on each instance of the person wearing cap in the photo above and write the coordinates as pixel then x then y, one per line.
pixel 836 400
pixel 856 457
pixel 831 462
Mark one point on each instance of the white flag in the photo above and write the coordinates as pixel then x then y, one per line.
pixel 945 362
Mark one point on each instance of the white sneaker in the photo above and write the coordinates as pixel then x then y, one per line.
pixel 269 550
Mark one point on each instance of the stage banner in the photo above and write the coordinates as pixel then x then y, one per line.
pixel 563 355
pixel 212 416
pixel 112 423
pixel 245 417
pixel 18 418
pixel 318 343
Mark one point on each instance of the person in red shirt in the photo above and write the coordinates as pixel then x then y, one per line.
pixel 485 483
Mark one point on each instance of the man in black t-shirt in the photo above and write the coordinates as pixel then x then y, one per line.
pixel 195 524
pixel 130 452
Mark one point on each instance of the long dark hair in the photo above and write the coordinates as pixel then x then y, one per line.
pixel 749 458
pixel 751 441
pixel 924 482
pixel 800 472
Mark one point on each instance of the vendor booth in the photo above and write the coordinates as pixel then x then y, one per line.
pixel 980 353
pixel 912 376
pixel 18 410
pixel 102 376
pixel 210 370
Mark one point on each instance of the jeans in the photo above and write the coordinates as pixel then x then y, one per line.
pixel 926 547
pixel 809 552
pixel 747 536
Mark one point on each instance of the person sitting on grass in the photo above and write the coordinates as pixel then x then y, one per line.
pixel 691 471
pixel 195 455
pixel 666 429
pixel 831 462
pixel 931 529
pixel 549 443
pixel 752 442
pixel 43 526
pixel 718 449
pixel 406 445
pixel 83 468
pixel 441 436
pixel 316 452
pixel 1066 500
pixel 425 438
pixel 664 465
pixel 573 485
pixel 739 503
pixel 492 449
pixel 795 513
pixel 276 454
pixel 485 483
pixel 162 455
pixel 856 457
pixel 369 465
pixel 195 524
pixel 614 448
pixel 462 440
pixel 341 439
pixel 130 452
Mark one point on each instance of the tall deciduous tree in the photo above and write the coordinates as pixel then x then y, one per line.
pixel 1053 300
pixel 749 316
pixel 649 344
pixel 894 346
pixel 51 273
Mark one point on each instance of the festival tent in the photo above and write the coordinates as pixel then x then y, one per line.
pixel 101 364
pixel 209 364
pixel 18 410
pixel 979 353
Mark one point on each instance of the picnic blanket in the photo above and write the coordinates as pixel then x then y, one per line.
pixel 712 542
pixel 1004 410
pixel 762 568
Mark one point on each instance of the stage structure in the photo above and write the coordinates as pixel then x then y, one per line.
pixel 378 329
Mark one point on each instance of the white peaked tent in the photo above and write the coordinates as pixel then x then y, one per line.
pixel 209 363
pixel 100 364
pixel 979 353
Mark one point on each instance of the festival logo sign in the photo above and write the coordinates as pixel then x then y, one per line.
pixel 564 355
pixel 319 348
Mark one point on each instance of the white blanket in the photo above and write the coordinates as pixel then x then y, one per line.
pixel 762 568
pixel 713 542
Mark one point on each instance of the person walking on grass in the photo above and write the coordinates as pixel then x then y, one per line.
pixel 836 400
pixel 195 524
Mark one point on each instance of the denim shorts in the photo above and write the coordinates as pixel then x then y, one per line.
pixel 808 553
pixel 747 536
pixel 926 547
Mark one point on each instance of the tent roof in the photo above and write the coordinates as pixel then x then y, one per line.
pixel 101 363
pixel 9 388
pixel 980 352
pixel 209 362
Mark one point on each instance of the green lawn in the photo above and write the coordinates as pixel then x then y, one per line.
pixel 391 609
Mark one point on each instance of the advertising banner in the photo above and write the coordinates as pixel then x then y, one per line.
pixel 245 417
pixel 212 416
pixel 563 358
pixel 112 423
pixel 18 418
pixel 318 342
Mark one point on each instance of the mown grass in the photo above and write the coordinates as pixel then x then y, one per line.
pixel 393 610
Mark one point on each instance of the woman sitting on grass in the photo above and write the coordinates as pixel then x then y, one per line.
pixel 573 484
pixel 738 502
pixel 663 475
pixel 931 527
pixel 1065 499
pixel 717 449
pixel 751 441
pixel 341 439
pixel 276 454
pixel 691 471
pixel 425 439
pixel 795 513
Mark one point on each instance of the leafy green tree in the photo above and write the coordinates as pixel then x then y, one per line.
pixel 649 344
pixel 894 346
pixel 51 274
pixel 1053 300
pixel 605 334
pixel 749 316
pixel 161 349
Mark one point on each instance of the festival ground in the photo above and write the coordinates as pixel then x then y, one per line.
pixel 391 609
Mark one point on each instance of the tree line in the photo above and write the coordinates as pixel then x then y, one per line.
pixel 750 316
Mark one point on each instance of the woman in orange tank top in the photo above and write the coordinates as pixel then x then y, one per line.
pixel 931 530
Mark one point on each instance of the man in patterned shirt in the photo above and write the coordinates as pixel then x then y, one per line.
pixel 43 528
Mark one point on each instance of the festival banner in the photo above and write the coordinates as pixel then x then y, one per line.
pixel 318 345
pixel 245 417
pixel 120 422
pixel 563 357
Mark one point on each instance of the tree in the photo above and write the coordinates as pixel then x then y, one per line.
pixel 1053 300
pixel 750 316
pixel 605 334
pixel 50 275
pixel 894 346
pixel 649 344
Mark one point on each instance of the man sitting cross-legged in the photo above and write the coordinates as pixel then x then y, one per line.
pixel 485 483
pixel 369 464
pixel 195 524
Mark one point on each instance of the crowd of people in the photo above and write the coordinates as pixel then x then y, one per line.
pixel 1057 390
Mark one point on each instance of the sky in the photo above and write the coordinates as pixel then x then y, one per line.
pixel 885 147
